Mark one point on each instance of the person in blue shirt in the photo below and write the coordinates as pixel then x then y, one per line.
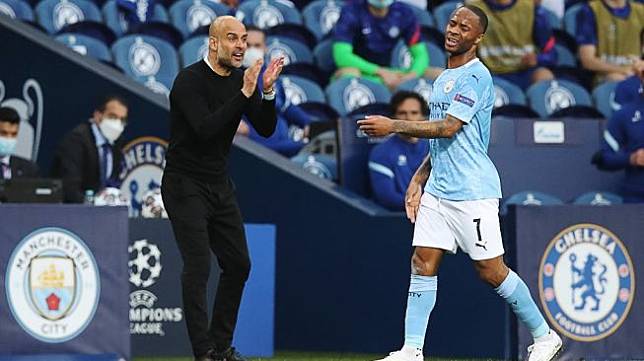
pixel 393 162
pixel 365 36
pixel 456 205
pixel 632 88
pixel 623 147
pixel 609 37
pixel 291 131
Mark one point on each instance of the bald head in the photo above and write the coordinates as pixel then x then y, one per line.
pixel 227 42
pixel 222 24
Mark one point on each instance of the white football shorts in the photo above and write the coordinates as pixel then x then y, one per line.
pixel 472 226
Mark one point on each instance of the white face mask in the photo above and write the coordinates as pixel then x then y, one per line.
pixel 251 56
pixel 112 128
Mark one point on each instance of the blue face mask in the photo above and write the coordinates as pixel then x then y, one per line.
pixel 380 4
pixel 7 146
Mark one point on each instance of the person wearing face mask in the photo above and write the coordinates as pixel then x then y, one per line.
pixel 365 36
pixel 12 166
pixel 292 122
pixel 89 157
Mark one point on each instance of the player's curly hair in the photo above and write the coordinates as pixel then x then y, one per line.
pixel 403 95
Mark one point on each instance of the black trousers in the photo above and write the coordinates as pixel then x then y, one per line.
pixel 205 217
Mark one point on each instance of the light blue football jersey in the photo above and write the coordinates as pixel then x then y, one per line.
pixel 461 168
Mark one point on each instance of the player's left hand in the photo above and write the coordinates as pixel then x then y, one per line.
pixel 376 125
pixel 271 73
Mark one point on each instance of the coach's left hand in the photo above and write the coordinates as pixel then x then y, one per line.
pixel 377 125
pixel 271 73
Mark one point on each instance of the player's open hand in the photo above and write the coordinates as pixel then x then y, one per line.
pixel 412 199
pixel 250 78
pixel 376 125
pixel 271 73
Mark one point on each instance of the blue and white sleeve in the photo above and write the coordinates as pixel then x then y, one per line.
pixel 466 101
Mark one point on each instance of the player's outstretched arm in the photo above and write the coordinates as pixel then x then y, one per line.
pixel 380 126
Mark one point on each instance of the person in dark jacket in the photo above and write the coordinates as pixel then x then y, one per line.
pixel 12 166
pixel 89 157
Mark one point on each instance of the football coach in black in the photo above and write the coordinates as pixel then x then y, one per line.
pixel 207 101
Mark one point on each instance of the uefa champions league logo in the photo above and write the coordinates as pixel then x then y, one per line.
pixel 52 285
pixel 586 282
pixel 144 58
pixel 199 15
pixel 65 13
pixel 356 95
pixel 294 93
pixel 145 263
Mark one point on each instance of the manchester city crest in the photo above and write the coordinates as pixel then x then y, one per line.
pixel 52 285
pixel 586 282
pixel 143 163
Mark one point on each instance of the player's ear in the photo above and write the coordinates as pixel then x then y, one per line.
pixel 479 39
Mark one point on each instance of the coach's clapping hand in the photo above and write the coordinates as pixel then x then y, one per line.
pixel 412 199
pixel 272 72
pixel 250 78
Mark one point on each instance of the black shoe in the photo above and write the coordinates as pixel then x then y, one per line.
pixel 207 357
pixel 228 355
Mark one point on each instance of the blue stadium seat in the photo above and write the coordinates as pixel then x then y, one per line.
pixel 306 71
pixel 300 90
pixel 421 86
pixel 86 45
pixel 17 9
pixel 577 111
pixel 401 57
pixel 548 96
pixel 147 59
pixel 268 13
pixel 292 50
pixel 158 29
pixel 54 14
pixel 320 165
pixel 507 93
pixel 346 94
pixel 323 54
pixel 94 29
pixel 193 50
pixel 442 13
pixel 570 19
pixel 514 111
pixel 530 198
pixel 189 15
pixel 604 97
pixel 565 57
pixel 599 199
pixel 116 21
pixel 423 16
pixel 320 16
pixel 294 31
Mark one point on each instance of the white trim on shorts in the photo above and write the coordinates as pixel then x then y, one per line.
pixel 472 226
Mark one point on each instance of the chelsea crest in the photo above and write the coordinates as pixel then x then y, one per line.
pixel 586 282
pixel 143 163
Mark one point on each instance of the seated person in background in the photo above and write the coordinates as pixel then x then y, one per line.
pixel 89 157
pixel 623 147
pixel 365 37
pixel 609 37
pixel 292 126
pixel 518 45
pixel 12 166
pixel 393 162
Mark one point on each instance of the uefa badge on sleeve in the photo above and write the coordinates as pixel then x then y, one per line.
pixel 586 282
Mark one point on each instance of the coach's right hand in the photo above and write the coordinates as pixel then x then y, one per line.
pixel 412 199
pixel 250 78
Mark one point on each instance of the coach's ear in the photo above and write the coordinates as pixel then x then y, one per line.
pixel 213 44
